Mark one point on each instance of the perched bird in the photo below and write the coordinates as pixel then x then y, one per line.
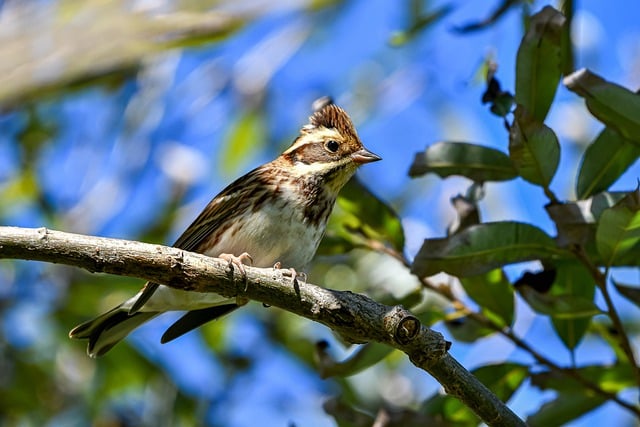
pixel 274 215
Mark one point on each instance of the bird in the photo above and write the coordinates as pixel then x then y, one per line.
pixel 273 216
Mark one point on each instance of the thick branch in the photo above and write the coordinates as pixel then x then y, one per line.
pixel 355 317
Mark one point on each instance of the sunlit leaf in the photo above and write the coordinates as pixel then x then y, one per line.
pixel 533 148
pixel 539 62
pixel 470 160
pixel 502 379
pixel 246 137
pixel 482 248
pixel 358 218
pixel 619 228
pixel 493 292
pixel 610 103
pixel 604 160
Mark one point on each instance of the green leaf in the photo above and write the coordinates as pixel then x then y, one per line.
pixel 364 357
pixel 246 136
pixel 533 148
pixel 539 62
pixel 358 219
pixel 458 158
pixel 611 378
pixel 604 160
pixel 493 292
pixel 632 293
pixel 482 248
pixel 619 228
pixel 560 306
pixel 613 105
pixel 466 329
pixel 502 379
pixel 572 278
pixel 564 408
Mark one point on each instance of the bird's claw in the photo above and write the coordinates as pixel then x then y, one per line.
pixel 239 262
pixel 293 273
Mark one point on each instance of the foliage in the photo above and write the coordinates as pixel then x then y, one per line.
pixel 50 380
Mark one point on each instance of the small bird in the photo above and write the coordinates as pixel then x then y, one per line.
pixel 273 216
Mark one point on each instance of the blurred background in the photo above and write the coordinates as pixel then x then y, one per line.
pixel 124 118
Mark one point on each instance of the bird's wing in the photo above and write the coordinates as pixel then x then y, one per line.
pixel 231 202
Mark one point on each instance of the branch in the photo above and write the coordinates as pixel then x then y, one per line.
pixel 355 317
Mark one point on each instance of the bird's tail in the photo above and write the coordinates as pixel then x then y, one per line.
pixel 108 329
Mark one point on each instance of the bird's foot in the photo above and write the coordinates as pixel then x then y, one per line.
pixel 239 262
pixel 291 272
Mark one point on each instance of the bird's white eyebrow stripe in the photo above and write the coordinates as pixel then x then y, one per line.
pixel 321 134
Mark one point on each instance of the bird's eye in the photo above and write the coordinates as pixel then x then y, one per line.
pixel 332 145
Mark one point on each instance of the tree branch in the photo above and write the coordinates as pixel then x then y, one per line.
pixel 356 317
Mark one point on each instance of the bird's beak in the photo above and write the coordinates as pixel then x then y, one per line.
pixel 365 156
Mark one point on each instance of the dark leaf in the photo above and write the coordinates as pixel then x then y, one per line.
pixel 539 62
pixel 632 293
pixel 604 160
pixel 560 306
pixel 613 105
pixel 467 329
pixel 493 292
pixel 611 378
pixel 458 158
pixel 362 358
pixel 359 216
pixel 564 408
pixel 574 279
pixel 540 281
pixel 482 248
pixel 533 148
pixel 618 229
pixel 502 379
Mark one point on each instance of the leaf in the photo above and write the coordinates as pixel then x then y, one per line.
pixel 619 228
pixel 611 378
pixel 559 306
pixel 539 62
pixel 502 379
pixel 466 329
pixel 613 105
pixel 493 292
pixel 572 278
pixel 358 218
pixel 246 136
pixel 458 158
pixel 482 248
pixel 604 160
pixel 564 408
pixel 533 148
pixel 576 221
pixel 362 358
pixel 632 293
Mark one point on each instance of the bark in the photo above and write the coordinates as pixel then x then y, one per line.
pixel 355 317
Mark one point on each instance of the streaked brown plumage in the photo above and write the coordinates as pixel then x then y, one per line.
pixel 277 213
